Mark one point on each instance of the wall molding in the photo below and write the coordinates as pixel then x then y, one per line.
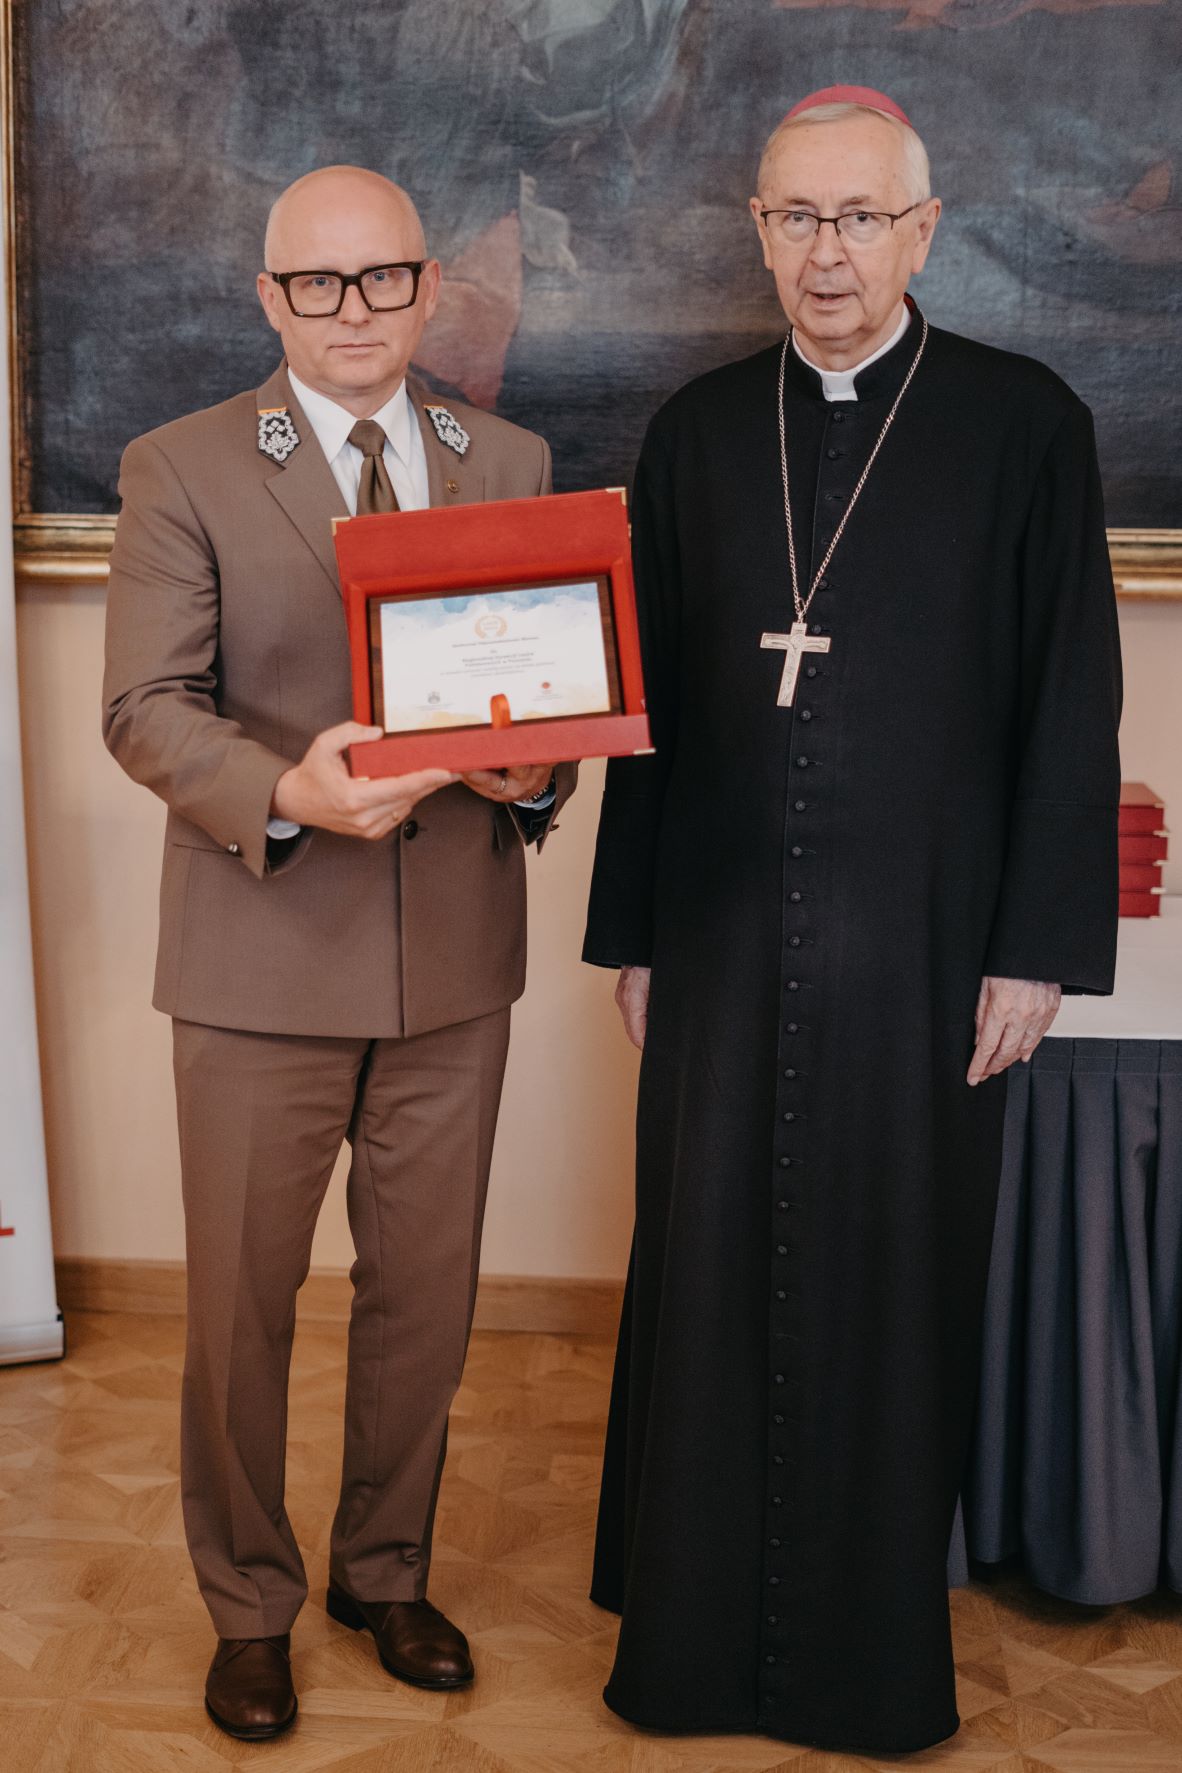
pixel 537 1304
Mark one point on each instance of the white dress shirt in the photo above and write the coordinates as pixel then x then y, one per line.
pixel 403 455
pixel 838 384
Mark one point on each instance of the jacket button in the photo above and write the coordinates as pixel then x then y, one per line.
pixel 773 1582
pixel 453 486
pixel 791 1028
pixel 796 850
pixel 781 1294
pixel 779 1421
pixel 792 985
pixel 810 670
pixel 799 805
pixel 790 1073
pixel 794 941
pixel 410 829
pixel 232 849
pixel 802 763
pixel 770 1660
pixel 775 1544
pixel 781 1249
pixel 806 714
pixel 795 898
pixel 789 1118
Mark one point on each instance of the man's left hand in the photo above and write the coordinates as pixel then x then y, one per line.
pixel 507 786
pixel 1012 1017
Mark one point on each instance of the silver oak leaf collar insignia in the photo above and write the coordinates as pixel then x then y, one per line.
pixel 448 428
pixel 278 437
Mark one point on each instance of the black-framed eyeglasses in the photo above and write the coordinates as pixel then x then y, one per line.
pixel 861 226
pixel 317 295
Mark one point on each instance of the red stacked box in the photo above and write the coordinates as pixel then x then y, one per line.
pixel 1144 843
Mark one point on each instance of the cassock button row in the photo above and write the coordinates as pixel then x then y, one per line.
pixel 796 850
pixel 773 1619
pixel 795 898
pixel 781 1249
pixel 791 1071
pixel 775 1544
pixel 806 714
pixel 780 1294
pixel 794 941
pixel 793 985
pixel 811 670
pixel 779 1421
pixel 777 1502
pixel 802 763
pixel 833 455
pixel 785 1206
pixel 789 1118
pixel 777 1458
pixel 773 1582
pixel 771 1660
pixel 792 1028
pixel 799 805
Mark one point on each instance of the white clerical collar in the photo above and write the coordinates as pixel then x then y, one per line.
pixel 332 423
pixel 838 384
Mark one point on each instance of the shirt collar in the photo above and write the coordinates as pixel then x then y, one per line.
pixel 332 423
pixel 838 384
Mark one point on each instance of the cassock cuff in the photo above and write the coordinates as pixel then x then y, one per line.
pixel 1056 916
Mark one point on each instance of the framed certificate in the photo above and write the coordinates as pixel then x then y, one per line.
pixel 488 635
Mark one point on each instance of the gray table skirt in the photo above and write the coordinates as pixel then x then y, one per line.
pixel 1076 1463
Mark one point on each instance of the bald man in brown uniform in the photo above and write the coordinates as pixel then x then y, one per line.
pixel 335 968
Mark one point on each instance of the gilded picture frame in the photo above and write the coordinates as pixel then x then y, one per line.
pixel 71 549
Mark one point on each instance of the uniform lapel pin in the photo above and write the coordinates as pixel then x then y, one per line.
pixel 277 435
pixel 448 429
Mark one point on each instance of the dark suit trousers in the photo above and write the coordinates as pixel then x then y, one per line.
pixel 262 1119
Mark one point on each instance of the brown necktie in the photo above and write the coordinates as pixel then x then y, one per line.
pixel 374 493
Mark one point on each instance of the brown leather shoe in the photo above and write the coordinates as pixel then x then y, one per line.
pixel 415 1642
pixel 248 1690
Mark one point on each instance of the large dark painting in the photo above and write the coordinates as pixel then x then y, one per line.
pixel 582 166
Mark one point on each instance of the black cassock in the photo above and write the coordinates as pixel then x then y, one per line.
pixel 818 891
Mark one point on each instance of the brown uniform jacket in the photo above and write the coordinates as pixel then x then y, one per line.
pixel 226 655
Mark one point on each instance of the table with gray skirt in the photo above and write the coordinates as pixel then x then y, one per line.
pixel 1076 1465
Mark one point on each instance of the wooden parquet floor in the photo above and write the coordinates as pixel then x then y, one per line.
pixel 104 1642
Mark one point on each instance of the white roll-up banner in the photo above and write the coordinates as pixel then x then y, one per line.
pixel 30 1323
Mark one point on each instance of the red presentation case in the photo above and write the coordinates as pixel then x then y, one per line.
pixel 503 544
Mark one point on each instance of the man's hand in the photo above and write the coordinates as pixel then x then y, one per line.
pixel 510 785
pixel 632 998
pixel 1012 1017
pixel 320 791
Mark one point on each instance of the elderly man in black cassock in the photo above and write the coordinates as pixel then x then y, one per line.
pixel 876 842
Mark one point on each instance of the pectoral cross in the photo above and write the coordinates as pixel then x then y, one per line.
pixel 794 646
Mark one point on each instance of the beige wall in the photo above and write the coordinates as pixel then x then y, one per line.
pixel 561 1182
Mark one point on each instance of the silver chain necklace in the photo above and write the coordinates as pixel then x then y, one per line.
pixel 795 644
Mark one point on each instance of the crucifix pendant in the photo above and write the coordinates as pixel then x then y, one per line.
pixel 794 646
